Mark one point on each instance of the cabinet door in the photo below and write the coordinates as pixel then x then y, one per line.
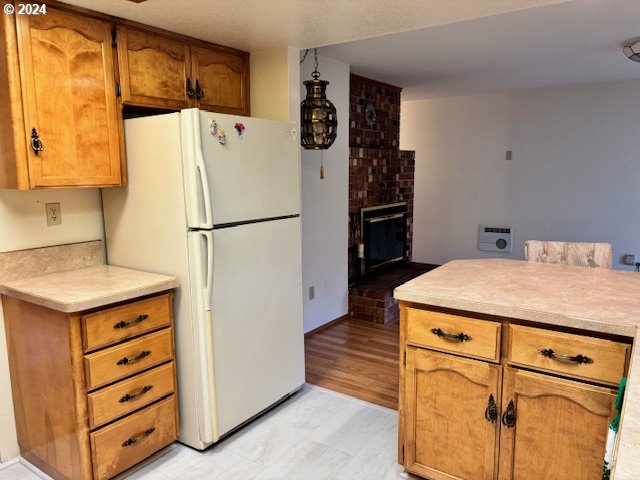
pixel 223 81
pixel 154 70
pixel 559 431
pixel 67 72
pixel 447 433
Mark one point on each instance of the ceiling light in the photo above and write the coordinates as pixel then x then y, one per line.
pixel 633 51
pixel 319 121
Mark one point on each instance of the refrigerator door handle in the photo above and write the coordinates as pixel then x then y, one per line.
pixel 203 282
pixel 208 265
pixel 202 175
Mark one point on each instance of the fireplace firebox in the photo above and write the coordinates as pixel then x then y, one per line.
pixel 384 237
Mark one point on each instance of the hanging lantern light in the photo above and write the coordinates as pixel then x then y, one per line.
pixel 319 121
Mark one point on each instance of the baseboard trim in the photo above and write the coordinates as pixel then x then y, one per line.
pixel 8 463
pixel 326 325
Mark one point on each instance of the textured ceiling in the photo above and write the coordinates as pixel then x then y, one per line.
pixel 255 24
pixel 431 48
pixel 569 43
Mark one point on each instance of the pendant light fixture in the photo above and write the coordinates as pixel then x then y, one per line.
pixel 318 118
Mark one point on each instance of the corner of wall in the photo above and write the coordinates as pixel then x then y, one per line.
pixel 270 83
pixel 325 206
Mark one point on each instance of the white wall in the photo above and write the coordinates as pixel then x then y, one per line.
pixel 575 173
pixel 23 225
pixel 325 206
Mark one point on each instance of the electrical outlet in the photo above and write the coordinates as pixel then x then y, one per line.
pixel 629 259
pixel 312 292
pixel 54 214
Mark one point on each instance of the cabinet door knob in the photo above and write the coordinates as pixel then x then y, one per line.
pixel 491 413
pixel 509 415
pixel 190 92
pixel 199 91
pixel 458 337
pixel 36 143
pixel 580 359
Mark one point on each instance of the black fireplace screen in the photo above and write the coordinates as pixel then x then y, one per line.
pixel 384 236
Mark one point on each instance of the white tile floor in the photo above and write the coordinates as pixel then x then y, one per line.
pixel 317 434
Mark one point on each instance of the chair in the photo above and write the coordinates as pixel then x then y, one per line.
pixel 595 255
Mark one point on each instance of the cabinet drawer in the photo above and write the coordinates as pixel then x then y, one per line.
pixel 121 398
pixel 130 357
pixel 567 354
pixel 115 324
pixel 118 446
pixel 473 338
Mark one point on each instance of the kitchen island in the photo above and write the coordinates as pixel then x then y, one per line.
pixel 590 306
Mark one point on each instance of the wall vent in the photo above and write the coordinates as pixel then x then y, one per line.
pixel 495 239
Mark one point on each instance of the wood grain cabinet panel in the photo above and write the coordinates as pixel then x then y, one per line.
pixel 126 442
pixel 63 429
pixel 154 70
pixel 454 333
pixel 68 85
pixel 131 394
pixel 112 325
pixel 223 81
pixel 161 72
pixel 447 433
pixel 604 360
pixel 560 428
pixel 467 419
pixel 110 364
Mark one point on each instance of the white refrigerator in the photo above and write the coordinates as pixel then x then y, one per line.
pixel 225 219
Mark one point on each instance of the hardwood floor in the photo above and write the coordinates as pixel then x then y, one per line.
pixel 357 358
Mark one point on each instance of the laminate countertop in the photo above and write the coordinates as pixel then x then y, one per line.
pixel 86 288
pixel 595 299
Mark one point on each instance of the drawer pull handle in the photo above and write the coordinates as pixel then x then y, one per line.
pixel 509 415
pixel 580 359
pixel 131 323
pixel 491 413
pixel 137 358
pixel 458 337
pixel 135 395
pixel 138 438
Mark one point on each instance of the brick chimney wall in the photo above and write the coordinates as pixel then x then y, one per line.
pixel 379 172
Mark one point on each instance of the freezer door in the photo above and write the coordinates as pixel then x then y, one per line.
pixel 258 346
pixel 253 175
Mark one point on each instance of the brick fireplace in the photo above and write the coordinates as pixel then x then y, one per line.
pixel 379 174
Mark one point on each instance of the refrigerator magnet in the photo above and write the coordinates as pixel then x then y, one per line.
pixel 222 138
pixel 239 128
pixel 213 127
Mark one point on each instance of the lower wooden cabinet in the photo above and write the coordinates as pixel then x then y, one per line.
pixel 469 419
pixel 451 428
pixel 559 427
pixel 94 391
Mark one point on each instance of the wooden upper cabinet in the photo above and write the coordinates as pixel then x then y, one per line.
pixel 222 81
pixel 69 100
pixel 559 428
pixel 154 70
pixel 447 432
pixel 161 72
